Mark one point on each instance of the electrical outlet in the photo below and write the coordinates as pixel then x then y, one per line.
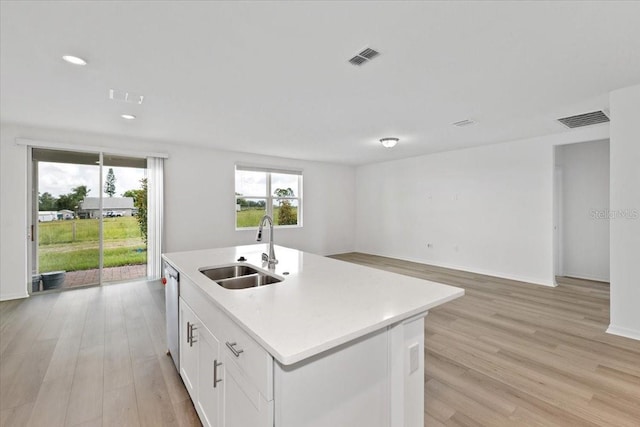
pixel 430 245
pixel 414 361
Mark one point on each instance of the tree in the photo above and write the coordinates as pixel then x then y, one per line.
pixel 110 183
pixel 46 202
pixel 244 203
pixel 131 193
pixel 66 201
pixel 80 192
pixel 287 214
pixel 71 200
pixel 140 202
pixel 239 200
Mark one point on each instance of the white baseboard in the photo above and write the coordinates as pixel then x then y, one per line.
pixel 623 332
pixel 551 283
pixel 8 297
pixel 582 276
pixel 498 274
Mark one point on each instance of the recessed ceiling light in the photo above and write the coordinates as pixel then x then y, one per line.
pixel 74 60
pixel 389 142
pixel 128 116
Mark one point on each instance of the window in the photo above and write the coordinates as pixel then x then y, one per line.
pixel 264 191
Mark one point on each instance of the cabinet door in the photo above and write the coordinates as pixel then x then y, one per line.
pixel 189 329
pixel 242 404
pixel 210 376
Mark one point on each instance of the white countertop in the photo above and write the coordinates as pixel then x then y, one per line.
pixel 321 303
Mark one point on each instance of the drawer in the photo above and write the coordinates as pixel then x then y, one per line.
pixel 249 357
pixel 201 305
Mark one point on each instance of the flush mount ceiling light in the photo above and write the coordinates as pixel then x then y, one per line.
pixel 128 116
pixel 389 142
pixel 74 60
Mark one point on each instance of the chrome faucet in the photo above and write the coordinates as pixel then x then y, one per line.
pixel 271 258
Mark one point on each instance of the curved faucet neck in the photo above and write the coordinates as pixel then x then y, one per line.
pixel 271 257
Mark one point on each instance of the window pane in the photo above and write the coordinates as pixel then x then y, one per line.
pixel 249 211
pixel 285 211
pixel 284 185
pixel 251 183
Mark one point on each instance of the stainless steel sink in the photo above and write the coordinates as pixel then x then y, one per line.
pixel 250 281
pixel 230 271
pixel 239 276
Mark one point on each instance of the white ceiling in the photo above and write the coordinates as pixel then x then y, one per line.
pixel 273 78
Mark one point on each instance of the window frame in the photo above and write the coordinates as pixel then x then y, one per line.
pixel 269 198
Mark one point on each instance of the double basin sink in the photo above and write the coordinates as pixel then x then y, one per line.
pixel 239 276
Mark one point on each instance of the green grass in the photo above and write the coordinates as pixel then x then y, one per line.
pixel 73 245
pixel 251 217
pixel 60 248
pixel 86 230
pixel 84 259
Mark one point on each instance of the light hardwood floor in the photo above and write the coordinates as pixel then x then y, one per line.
pixel 506 353
pixel 510 353
pixel 90 357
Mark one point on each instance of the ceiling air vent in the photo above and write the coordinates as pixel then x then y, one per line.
pixel 124 96
pixel 463 123
pixel 369 53
pixel 358 60
pixel 365 56
pixel 586 119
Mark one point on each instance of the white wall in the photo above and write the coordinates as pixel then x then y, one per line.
pixel 199 200
pixel 13 221
pixel 200 203
pixel 487 209
pixel 585 202
pixel 625 209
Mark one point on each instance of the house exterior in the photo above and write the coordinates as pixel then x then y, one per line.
pixel 65 214
pixel 111 206
pixel 47 216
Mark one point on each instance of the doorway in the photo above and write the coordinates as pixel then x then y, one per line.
pixel 88 219
pixel 581 213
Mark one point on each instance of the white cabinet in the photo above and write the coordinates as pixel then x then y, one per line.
pixel 200 366
pixel 228 375
pixel 210 377
pixel 243 405
pixel 188 353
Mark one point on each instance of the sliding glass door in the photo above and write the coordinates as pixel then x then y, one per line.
pixel 124 224
pixel 66 248
pixel 88 219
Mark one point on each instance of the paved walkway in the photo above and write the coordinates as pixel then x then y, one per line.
pixel 112 274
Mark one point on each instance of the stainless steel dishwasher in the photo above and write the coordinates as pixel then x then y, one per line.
pixel 171 294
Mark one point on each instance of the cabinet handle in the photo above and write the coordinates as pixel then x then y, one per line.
pixel 190 329
pixel 192 340
pixel 231 347
pixel 215 373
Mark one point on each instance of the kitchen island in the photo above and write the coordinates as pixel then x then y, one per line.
pixel 333 343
